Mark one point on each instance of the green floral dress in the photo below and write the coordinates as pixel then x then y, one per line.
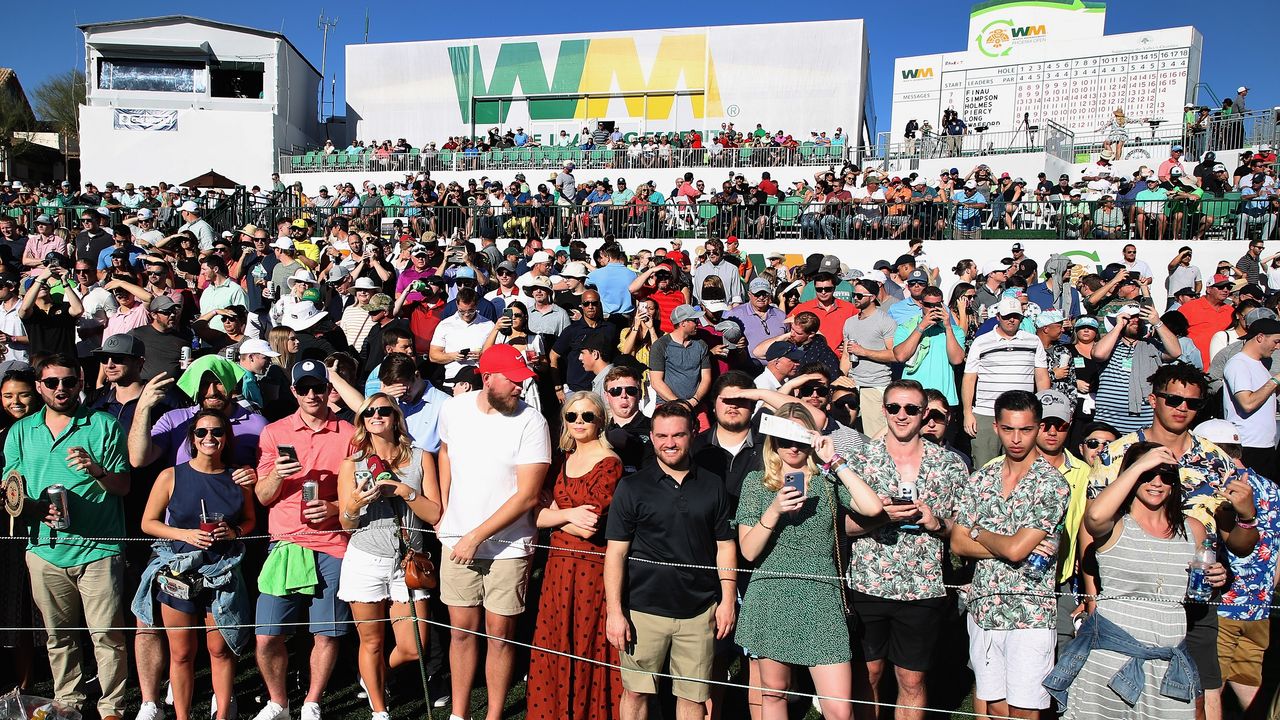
pixel 791 619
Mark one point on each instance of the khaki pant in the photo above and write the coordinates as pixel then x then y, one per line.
pixel 685 645
pixel 871 410
pixel 89 595
pixel 986 444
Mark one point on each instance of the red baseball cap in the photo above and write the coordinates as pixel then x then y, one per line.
pixel 505 360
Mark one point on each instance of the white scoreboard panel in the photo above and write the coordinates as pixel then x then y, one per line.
pixel 1148 74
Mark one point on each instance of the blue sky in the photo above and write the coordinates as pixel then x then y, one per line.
pixel 43 39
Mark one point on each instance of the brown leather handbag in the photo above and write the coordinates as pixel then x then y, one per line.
pixel 419 571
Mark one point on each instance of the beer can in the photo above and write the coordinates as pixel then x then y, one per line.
pixel 184 357
pixel 310 491
pixel 58 498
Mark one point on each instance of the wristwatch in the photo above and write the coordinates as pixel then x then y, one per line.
pixel 973 532
pixel 412 496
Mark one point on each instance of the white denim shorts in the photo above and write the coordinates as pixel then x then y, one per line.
pixel 1011 664
pixel 371 578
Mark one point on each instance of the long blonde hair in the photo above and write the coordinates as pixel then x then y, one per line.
pixel 567 443
pixel 278 338
pixel 797 413
pixel 362 442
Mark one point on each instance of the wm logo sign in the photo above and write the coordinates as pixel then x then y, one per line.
pixel 1028 31
pixel 917 73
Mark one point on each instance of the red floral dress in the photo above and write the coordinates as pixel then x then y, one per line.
pixel 571 613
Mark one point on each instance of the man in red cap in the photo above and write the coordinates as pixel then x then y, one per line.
pixel 502 447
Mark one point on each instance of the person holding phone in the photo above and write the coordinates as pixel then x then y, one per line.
pixel 787 520
pixel 200 509
pixel 372 574
pixel 900 613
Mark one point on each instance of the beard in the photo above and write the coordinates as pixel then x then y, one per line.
pixel 505 404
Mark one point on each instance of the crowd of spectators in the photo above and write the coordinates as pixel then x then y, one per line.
pixel 1026 454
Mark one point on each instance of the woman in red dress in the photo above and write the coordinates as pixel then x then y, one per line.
pixel 571 613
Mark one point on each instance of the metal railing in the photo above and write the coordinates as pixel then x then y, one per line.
pixel 215 209
pixel 1213 217
pixel 1051 137
pixel 552 158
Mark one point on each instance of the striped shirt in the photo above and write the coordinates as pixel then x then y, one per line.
pixel 1002 364
pixel 1113 392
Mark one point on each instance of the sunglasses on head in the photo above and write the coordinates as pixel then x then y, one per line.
pixel 814 388
pixel 201 432
pixel 311 389
pixel 911 409
pixel 1174 401
pixel 587 417
pixel 67 381
pixel 628 390
pixel 382 411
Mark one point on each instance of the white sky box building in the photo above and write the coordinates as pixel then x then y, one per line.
pixel 1050 60
pixel 172 97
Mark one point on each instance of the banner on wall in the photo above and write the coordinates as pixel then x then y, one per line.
pixel 1094 255
pixel 156 120
pixel 671 80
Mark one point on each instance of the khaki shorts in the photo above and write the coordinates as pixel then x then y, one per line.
pixel 1241 645
pixel 871 410
pixel 500 585
pixel 688 643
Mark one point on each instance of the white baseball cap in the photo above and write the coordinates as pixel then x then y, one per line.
pixel 365 283
pixel 257 346
pixel 1008 306
pixel 542 256
pixel 282 244
pixel 190 206
pixel 1218 431
pixel 144 214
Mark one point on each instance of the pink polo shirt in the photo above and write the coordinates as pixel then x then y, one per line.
pixel 321 453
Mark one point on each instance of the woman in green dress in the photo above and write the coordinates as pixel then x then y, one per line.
pixel 798 621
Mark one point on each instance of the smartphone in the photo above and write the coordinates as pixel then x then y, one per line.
pixel 464 352
pixel 794 480
pixel 901 501
pixel 508 313
pixel 287 451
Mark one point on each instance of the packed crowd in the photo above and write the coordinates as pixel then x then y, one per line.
pixel 783 469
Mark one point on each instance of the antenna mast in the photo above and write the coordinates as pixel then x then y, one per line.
pixel 325 24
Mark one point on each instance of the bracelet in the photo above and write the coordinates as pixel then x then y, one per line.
pixel 1275 380
pixel 1249 524
pixel 836 470
pixel 836 459
pixel 766 527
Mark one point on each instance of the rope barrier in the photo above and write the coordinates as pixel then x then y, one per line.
pixel 690 566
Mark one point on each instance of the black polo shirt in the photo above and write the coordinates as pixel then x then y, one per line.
pixel 670 522
pixel 708 453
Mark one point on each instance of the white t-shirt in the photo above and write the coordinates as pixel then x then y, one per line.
pixel 1258 428
pixel 484 451
pixel 1140 267
pixel 453 334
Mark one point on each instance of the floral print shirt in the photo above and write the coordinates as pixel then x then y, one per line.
pixel 1003 596
pixel 902 564
pixel 1253 577
pixel 1204 470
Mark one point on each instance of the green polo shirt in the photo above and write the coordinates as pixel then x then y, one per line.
pixel 42 459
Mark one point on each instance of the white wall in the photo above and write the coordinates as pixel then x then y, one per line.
pixel 237 144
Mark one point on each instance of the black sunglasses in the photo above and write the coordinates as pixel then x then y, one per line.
pixel 68 382
pixel 587 417
pixel 590 303
pixel 814 388
pixel 1174 401
pixel 825 288
pixel 784 444
pixel 911 409
pixel 1059 425
pixel 629 390
pixel 382 411
pixel 117 359
pixel 859 296
pixel 1094 443
pixel 311 389
pixel 936 416
pixel 214 431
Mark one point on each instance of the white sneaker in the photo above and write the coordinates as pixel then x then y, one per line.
pixel 310 711
pixel 381 716
pixel 232 712
pixel 149 711
pixel 168 693
pixel 274 711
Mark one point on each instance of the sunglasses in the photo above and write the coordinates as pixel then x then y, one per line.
pixel 1094 443
pixel 859 296
pixel 783 444
pixel 305 390
pixel 590 303
pixel 202 432
pixel 68 382
pixel 116 359
pixel 382 411
pixel 911 409
pixel 1174 401
pixel 819 389
pixel 587 417
pixel 825 288
pixel 81 271
pixel 1058 425
pixel 935 416
pixel 628 390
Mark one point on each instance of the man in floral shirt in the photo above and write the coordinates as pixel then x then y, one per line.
pixel 1005 510
pixel 1211 493
pixel 1244 615
pixel 895 568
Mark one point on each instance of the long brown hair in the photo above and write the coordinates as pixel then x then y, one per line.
pixel 1172 505
pixel 362 442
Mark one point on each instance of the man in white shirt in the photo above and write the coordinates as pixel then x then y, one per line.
pixel 143 228
pixel 782 359
pixel 498 448
pixel 458 338
pixel 1007 358
pixel 1250 398
pixel 1134 265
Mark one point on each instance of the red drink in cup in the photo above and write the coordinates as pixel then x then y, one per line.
pixel 209 522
